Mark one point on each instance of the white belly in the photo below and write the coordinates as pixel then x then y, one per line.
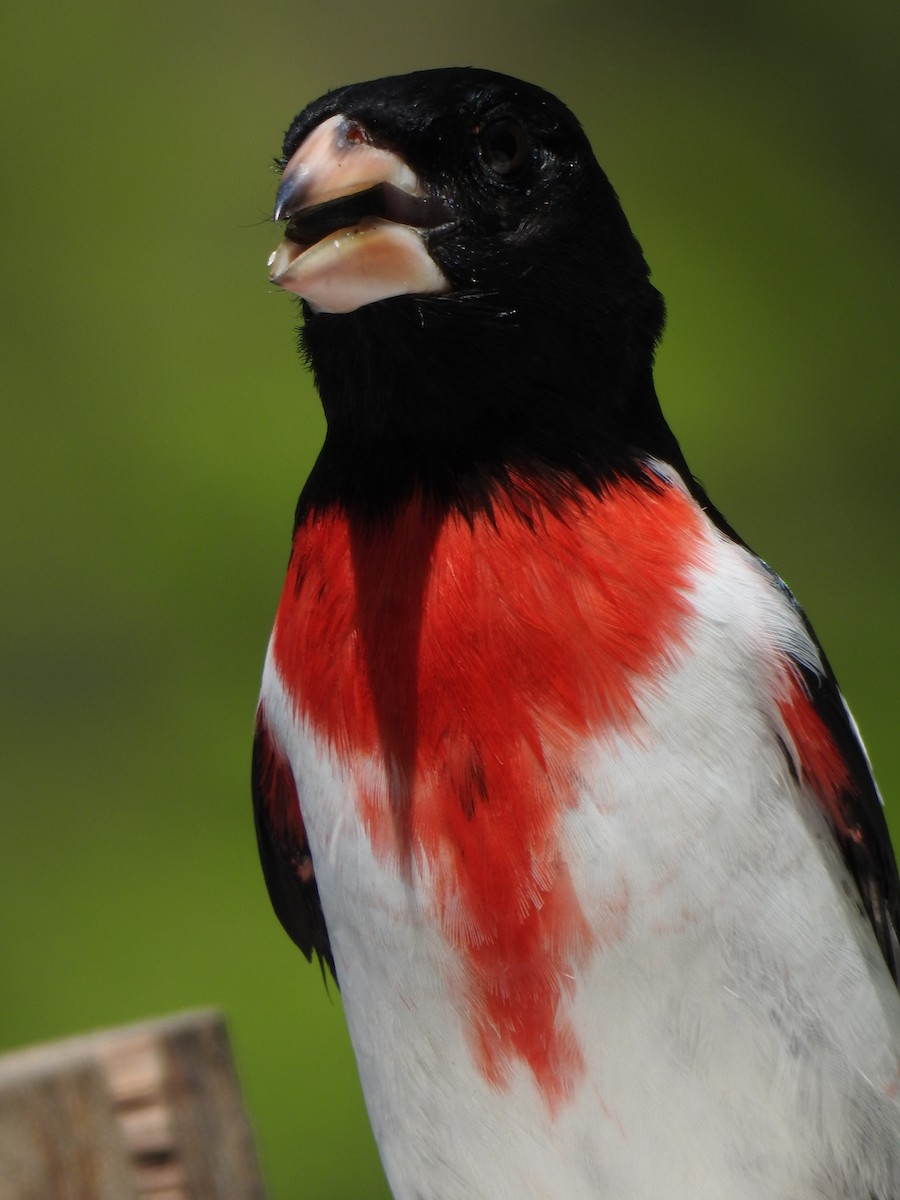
pixel 740 1032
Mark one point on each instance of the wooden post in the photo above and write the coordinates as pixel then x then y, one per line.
pixel 145 1112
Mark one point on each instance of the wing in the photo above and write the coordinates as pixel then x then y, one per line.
pixel 828 752
pixel 284 850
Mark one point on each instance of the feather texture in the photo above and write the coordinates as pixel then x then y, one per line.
pixel 550 769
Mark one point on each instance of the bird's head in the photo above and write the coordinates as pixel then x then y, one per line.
pixel 470 285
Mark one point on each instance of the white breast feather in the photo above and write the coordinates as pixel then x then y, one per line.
pixel 740 1029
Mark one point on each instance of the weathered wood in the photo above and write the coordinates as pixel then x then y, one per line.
pixel 145 1112
pixel 58 1135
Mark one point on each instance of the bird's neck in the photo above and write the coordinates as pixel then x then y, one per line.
pixel 452 404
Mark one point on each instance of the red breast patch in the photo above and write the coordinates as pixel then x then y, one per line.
pixel 818 761
pixel 471 660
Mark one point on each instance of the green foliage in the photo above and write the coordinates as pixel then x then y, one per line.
pixel 157 427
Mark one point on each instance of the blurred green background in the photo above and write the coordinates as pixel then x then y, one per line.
pixel 157 427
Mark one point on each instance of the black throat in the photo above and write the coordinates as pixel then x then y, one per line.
pixel 451 396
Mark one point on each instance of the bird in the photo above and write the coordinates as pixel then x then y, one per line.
pixel 550 770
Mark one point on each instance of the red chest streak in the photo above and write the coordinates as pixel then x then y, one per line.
pixel 471 662
pixel 818 760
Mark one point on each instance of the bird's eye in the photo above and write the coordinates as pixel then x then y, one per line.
pixel 504 147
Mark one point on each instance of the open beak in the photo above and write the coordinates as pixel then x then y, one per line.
pixel 357 223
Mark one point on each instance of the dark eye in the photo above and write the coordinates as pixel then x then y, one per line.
pixel 504 147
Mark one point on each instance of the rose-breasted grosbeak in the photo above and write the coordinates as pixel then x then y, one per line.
pixel 549 768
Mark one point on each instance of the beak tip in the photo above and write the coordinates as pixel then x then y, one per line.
pixel 284 197
pixel 279 212
pixel 291 191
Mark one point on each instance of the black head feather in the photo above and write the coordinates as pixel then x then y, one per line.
pixel 540 357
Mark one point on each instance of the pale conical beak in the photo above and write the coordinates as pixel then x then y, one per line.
pixel 358 221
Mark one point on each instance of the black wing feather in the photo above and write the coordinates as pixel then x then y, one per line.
pixel 284 850
pixel 866 845
pixel 865 841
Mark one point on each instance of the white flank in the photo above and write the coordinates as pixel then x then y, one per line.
pixel 740 1029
